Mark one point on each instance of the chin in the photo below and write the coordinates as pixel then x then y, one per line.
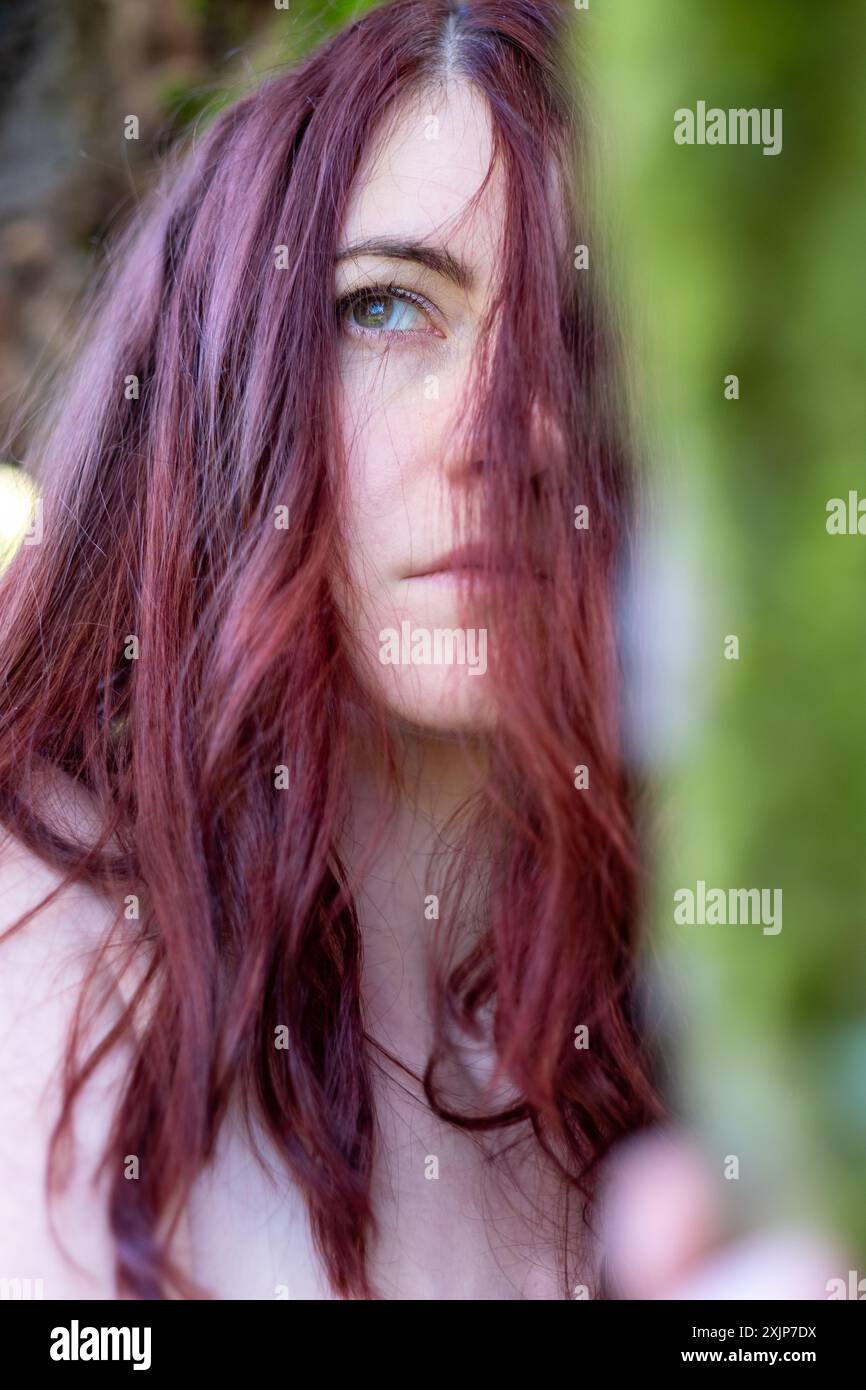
pixel 436 699
pixel 425 665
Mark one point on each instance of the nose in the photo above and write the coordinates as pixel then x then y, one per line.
pixel 547 436
pixel 546 440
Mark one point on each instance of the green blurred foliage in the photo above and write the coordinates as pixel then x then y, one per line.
pixel 737 262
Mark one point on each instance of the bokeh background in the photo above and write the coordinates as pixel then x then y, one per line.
pixel 70 72
pixel 721 260
pixel 729 261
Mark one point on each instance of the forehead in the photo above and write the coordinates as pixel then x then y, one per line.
pixel 422 171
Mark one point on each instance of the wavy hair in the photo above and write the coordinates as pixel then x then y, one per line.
pixel 159 525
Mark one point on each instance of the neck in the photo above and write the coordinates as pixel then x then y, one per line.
pixel 397 848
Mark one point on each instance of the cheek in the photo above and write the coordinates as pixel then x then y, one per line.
pixel 393 484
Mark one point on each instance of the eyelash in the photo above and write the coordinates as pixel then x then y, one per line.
pixel 390 291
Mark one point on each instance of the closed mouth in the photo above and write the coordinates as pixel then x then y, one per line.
pixel 471 560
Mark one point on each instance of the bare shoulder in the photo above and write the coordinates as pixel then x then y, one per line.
pixel 73 924
pixel 43 968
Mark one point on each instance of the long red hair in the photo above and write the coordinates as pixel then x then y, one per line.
pixel 159 523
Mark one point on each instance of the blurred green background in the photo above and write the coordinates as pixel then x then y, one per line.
pixel 737 262
pixel 721 260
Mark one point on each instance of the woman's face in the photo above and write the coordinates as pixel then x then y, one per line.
pixel 415 274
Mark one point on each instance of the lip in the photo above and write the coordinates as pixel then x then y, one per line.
pixel 467 560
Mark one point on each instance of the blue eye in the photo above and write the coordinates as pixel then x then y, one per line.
pixel 381 311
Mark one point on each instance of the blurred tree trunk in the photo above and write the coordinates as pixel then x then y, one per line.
pixel 741 263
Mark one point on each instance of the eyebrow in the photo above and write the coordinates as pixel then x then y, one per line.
pixel 435 258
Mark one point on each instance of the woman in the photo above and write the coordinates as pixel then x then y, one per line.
pixel 319 875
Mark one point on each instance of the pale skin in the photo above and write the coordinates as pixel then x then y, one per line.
pixel 459 1236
